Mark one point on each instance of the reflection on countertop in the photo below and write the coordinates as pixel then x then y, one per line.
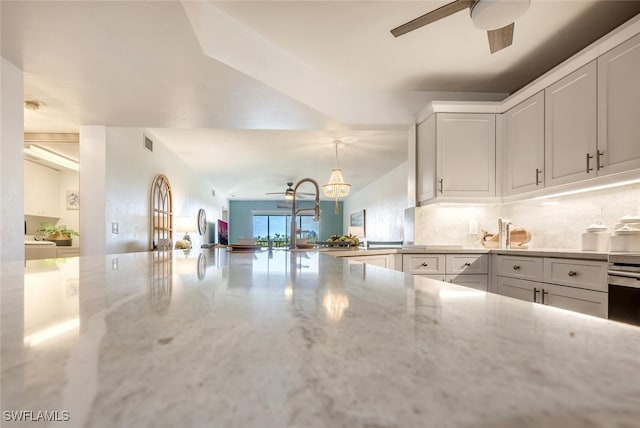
pixel 299 339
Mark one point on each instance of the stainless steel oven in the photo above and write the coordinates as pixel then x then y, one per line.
pixel 624 288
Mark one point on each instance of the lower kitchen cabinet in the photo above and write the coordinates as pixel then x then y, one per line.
pixel 469 270
pixel 478 282
pixel 574 299
pixel 384 260
pixel 576 285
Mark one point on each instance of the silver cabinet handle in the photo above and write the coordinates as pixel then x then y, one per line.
pixel 516 267
pixel 441 181
pixel 589 169
pixel 538 172
pixel 572 273
pixel 599 165
pixel 424 264
pixel 467 264
pixel 543 294
pixel 535 292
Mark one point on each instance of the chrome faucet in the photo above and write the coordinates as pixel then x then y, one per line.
pixel 316 217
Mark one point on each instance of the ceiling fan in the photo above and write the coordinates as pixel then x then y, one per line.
pixel 288 194
pixel 495 16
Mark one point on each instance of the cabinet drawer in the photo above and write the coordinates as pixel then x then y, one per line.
pixel 478 282
pixel 520 267
pixel 588 274
pixel 426 264
pixel 467 263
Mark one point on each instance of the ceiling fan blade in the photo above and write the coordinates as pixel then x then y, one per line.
pixel 434 15
pixel 500 38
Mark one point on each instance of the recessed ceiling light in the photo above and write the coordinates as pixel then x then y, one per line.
pixel 32 105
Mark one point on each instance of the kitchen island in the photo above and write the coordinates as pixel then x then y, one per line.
pixel 269 339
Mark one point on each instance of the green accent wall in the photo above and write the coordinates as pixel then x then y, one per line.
pixel 241 217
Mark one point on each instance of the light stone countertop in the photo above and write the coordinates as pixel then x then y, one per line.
pixel 534 252
pixel 302 340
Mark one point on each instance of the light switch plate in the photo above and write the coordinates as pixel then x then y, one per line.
pixel 115 228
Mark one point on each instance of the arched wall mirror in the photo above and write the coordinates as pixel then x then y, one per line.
pixel 161 214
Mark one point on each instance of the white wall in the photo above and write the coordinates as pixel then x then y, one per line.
pixel 11 164
pixel 384 200
pixel 130 170
pixel 92 189
pixel 556 223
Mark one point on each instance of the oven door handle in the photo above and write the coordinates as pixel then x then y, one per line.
pixel 614 273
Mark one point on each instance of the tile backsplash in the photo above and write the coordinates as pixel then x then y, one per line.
pixel 553 223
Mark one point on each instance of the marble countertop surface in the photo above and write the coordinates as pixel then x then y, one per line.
pixel 535 252
pixel 298 339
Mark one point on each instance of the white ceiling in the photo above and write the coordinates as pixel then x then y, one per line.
pixel 251 94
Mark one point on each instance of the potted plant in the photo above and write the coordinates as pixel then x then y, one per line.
pixel 61 235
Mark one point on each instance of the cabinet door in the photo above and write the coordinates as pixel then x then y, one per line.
pixel 466 154
pixel 570 128
pixel 479 282
pixel 524 125
pixel 426 159
pixel 618 106
pixel 574 299
pixel 520 289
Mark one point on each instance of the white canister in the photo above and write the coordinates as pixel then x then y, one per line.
pixel 625 243
pixel 595 241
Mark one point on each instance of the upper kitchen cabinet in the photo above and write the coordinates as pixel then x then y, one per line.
pixel 426 159
pixel 524 134
pixel 41 190
pixel 618 107
pixel 570 130
pixel 465 155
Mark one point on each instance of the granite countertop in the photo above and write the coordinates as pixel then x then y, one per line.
pixel 298 339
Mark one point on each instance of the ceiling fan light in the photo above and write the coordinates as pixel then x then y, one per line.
pixel 495 14
pixel 336 187
pixel 288 195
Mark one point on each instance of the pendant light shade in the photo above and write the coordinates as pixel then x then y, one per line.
pixel 336 187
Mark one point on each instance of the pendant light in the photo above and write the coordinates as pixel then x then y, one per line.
pixel 336 187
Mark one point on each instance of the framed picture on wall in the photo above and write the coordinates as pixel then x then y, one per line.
pixel 73 200
pixel 223 233
pixel 358 219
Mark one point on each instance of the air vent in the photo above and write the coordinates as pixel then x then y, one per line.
pixel 148 143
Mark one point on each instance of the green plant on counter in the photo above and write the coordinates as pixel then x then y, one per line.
pixel 51 230
pixel 349 239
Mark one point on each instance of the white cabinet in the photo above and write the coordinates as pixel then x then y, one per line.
pixel 426 159
pixel 618 106
pixel 576 285
pixel 524 134
pixel 469 270
pixel 570 128
pixel 588 274
pixel 41 190
pixel 465 155
pixel 478 282
pixel 573 299
pixel 384 260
